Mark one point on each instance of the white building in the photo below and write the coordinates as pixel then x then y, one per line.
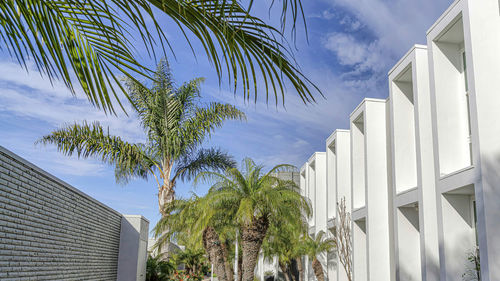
pixel 420 171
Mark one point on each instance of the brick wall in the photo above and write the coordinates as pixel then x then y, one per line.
pixel 50 230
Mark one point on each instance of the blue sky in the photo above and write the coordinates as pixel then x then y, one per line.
pixel 352 45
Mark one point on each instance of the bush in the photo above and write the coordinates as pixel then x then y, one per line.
pixel 158 270
pixel 182 276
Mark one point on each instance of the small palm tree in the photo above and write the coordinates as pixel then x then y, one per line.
pixel 193 224
pixel 318 246
pixel 283 241
pixel 175 123
pixel 192 258
pixel 88 43
pixel 158 269
pixel 256 199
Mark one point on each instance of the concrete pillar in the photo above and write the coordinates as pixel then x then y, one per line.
pixel 338 183
pixel 413 175
pixel 484 67
pixel 464 62
pixel 133 248
pixel 378 193
pixel 370 175
pixel 317 180
pixel 429 249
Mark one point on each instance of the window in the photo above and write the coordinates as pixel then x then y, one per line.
pixel 467 98
pixel 474 218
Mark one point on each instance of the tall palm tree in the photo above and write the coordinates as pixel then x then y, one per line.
pixel 88 43
pixel 256 199
pixel 175 123
pixel 316 246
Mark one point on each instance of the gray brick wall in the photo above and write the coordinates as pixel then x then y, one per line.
pixel 50 230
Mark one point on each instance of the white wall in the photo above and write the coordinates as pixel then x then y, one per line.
pixel 378 194
pixel 342 179
pixel 415 166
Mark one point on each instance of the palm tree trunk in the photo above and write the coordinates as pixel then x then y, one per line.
pixel 292 265
pixel 300 267
pixel 227 264
pixel 240 267
pixel 212 245
pixel 318 270
pixel 284 269
pixel 252 236
pixel 166 196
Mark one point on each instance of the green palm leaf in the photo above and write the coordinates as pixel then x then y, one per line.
pixel 86 44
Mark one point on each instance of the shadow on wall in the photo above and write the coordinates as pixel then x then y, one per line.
pixel 332 263
pixel 132 256
pixel 491 172
pixel 434 266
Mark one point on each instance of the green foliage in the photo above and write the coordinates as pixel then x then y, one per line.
pixel 473 268
pixel 88 43
pixel 251 193
pixel 234 198
pixel 183 276
pixel 158 270
pixel 318 245
pixel 284 240
pixel 193 260
pixel 188 219
pixel 269 273
pixel 89 39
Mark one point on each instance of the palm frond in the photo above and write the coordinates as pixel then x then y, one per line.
pixel 242 45
pixel 81 43
pixel 88 44
pixel 204 160
pixel 206 119
pixel 90 140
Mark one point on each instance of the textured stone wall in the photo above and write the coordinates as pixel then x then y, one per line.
pixel 50 230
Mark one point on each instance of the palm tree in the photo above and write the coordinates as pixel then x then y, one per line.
pixel 175 124
pixel 318 246
pixel 284 241
pixel 158 270
pixel 256 199
pixel 192 258
pixel 88 43
pixel 194 224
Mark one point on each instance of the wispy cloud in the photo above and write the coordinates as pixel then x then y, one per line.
pixel 357 54
pixel 28 95
pixel 382 31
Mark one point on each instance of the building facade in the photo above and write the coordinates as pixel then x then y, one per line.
pixel 50 230
pixel 419 170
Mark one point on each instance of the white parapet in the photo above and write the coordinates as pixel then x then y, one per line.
pixel 464 66
pixel 413 177
pixel 133 248
pixel 338 167
pixel 371 194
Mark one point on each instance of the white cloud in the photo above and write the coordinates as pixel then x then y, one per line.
pixel 394 25
pixel 351 23
pixel 31 98
pixel 327 14
pixel 351 52
pixel 28 95
pixel 397 24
